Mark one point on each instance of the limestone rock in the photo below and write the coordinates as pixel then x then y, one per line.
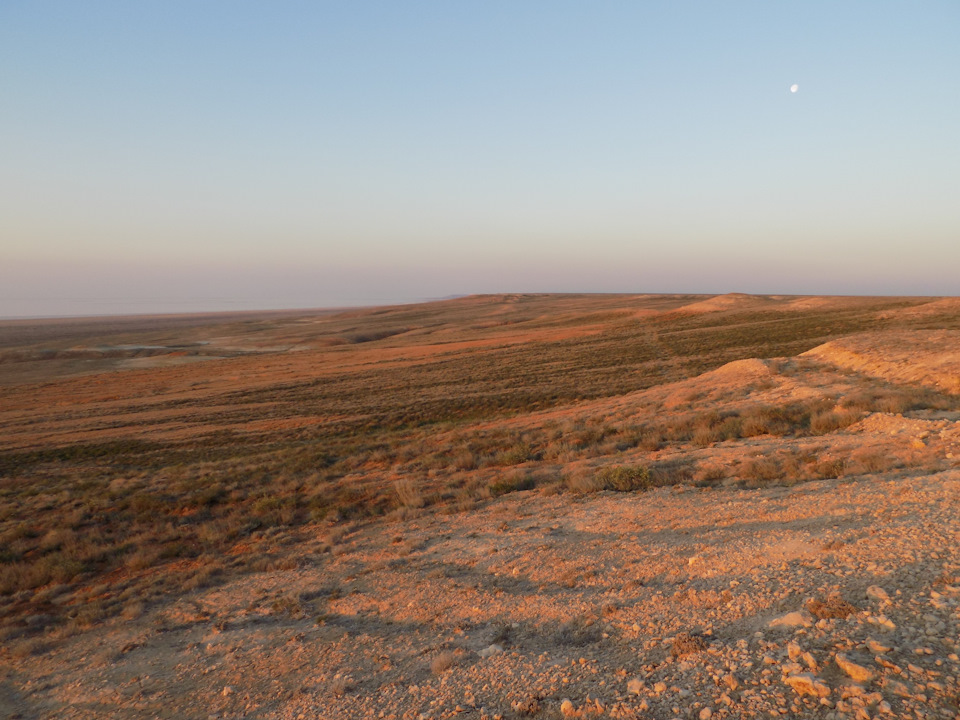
pixel 491 650
pixel 807 684
pixel 852 669
pixel 795 619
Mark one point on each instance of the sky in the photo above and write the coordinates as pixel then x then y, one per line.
pixel 174 156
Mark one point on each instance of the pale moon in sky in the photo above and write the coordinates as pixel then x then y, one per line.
pixel 794 87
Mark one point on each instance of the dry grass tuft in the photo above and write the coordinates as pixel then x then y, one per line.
pixel 342 684
pixel 443 662
pixel 688 644
pixel 834 606
pixel 407 494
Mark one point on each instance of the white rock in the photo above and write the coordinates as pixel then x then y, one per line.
pixel 807 684
pixel 706 714
pixel 852 669
pixel 566 708
pixel 797 618
pixel 635 686
pixel 494 649
pixel 877 593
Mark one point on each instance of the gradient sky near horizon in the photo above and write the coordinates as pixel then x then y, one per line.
pixel 180 156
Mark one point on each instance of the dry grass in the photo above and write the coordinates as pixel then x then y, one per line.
pixel 833 606
pixel 443 662
pixel 688 644
pixel 177 479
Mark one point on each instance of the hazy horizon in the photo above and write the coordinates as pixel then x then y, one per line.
pixel 182 158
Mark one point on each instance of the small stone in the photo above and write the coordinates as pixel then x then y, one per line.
pixel 566 708
pixel 898 688
pixel 856 672
pixel 793 650
pixel 878 648
pixel 731 681
pixel 635 686
pixel 807 684
pixel 227 690
pixel 491 650
pixel 797 618
pixel 527 706
pixel 660 687
pixel 878 594
pixel 706 714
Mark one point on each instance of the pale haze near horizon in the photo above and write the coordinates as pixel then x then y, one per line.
pixel 176 157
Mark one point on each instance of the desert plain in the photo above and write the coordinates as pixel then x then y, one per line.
pixel 503 506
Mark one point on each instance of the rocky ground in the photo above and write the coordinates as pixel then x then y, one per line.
pixel 831 599
pixel 807 571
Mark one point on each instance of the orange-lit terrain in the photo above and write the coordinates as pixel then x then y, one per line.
pixel 621 506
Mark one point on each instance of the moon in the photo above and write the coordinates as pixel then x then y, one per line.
pixel 794 88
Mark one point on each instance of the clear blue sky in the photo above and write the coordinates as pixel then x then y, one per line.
pixel 173 156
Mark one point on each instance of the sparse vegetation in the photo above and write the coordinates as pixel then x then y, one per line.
pixel 688 644
pixel 833 606
pixel 623 479
pixel 163 482
pixel 442 662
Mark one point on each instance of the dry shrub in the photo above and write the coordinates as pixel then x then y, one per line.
pixel 517 455
pixel 59 539
pixel 342 684
pixel 704 436
pixel 825 422
pixel 834 606
pixel 688 644
pixel 581 630
pixel 873 461
pixel 202 578
pixel 288 605
pixel 408 495
pixel 31 646
pixel 622 478
pixel 707 474
pixel 465 460
pixel 443 662
pixel 760 471
pixel 671 472
pixel 511 483
pixel 132 610
pixel 652 440
pixel 830 468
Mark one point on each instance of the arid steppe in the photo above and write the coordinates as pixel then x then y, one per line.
pixel 545 506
